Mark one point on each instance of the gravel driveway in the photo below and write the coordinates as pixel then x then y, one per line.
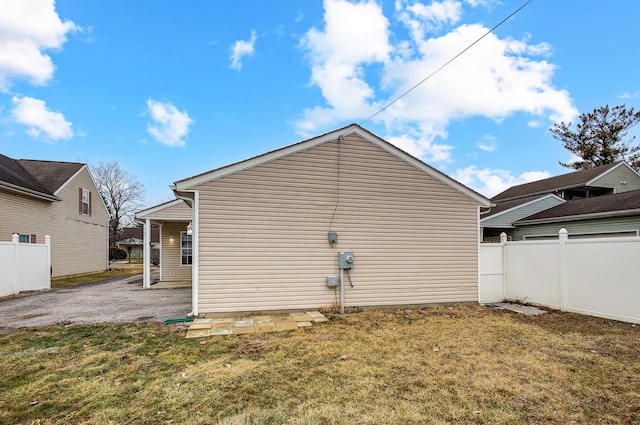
pixel 122 300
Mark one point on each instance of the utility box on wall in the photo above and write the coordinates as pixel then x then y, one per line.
pixel 345 260
pixel 332 281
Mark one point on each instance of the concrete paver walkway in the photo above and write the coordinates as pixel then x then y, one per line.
pixel 253 324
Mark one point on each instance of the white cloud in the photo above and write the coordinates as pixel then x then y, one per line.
pixel 421 19
pixel 490 182
pixel 241 49
pixel 170 125
pixel 496 78
pixel 27 30
pixel 40 121
pixel 337 66
pixel 487 144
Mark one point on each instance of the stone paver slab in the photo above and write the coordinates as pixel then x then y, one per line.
pixel 243 330
pixel 223 320
pixel 222 331
pixel 222 327
pixel 302 324
pixel 195 326
pixel 317 316
pixel 266 328
pixel 301 317
pixel 198 333
pixel 244 322
pixel 204 320
pixel 288 325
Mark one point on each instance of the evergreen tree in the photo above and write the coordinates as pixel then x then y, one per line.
pixel 601 137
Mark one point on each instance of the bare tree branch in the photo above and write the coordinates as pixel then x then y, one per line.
pixel 122 193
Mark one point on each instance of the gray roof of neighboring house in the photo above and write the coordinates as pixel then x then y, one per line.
pixel 137 233
pixel 40 178
pixel 626 203
pixel 14 174
pixel 563 181
pixel 51 174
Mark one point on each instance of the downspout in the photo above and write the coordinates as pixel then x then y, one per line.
pixel 193 203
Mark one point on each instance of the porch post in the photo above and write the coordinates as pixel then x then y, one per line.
pixel 146 253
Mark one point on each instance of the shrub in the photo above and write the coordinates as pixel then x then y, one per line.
pixel 116 253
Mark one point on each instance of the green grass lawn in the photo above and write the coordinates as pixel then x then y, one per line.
pixel 81 279
pixel 460 365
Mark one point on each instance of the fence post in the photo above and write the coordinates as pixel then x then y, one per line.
pixel 47 244
pixel 563 236
pixel 14 240
pixel 503 243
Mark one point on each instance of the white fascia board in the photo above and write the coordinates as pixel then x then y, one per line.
pixel 141 215
pixel 187 184
pixel 551 195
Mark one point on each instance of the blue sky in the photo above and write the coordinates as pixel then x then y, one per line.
pixel 170 89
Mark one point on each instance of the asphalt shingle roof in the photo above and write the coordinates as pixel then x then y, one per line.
pixel 598 204
pixel 13 173
pixel 51 174
pixel 552 184
pixel 43 177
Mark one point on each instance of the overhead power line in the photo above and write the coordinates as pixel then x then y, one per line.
pixel 448 62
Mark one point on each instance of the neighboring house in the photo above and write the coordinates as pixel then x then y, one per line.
pixel 600 216
pixel 261 229
pixel 59 199
pixel 517 203
pixel 131 239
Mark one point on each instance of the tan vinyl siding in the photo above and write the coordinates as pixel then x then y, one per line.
pixel 615 177
pixel 596 227
pixel 78 242
pixel 172 270
pixel 263 233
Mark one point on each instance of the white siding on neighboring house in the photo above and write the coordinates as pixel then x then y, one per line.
pixel 263 233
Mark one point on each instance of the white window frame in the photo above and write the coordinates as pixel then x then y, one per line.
pixel 184 237
pixel 86 202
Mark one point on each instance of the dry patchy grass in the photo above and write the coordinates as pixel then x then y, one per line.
pixel 459 365
pixel 81 279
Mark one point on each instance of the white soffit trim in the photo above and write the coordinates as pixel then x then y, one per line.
pixel 189 183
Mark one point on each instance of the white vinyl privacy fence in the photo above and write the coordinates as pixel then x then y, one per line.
pixel 24 266
pixel 597 276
